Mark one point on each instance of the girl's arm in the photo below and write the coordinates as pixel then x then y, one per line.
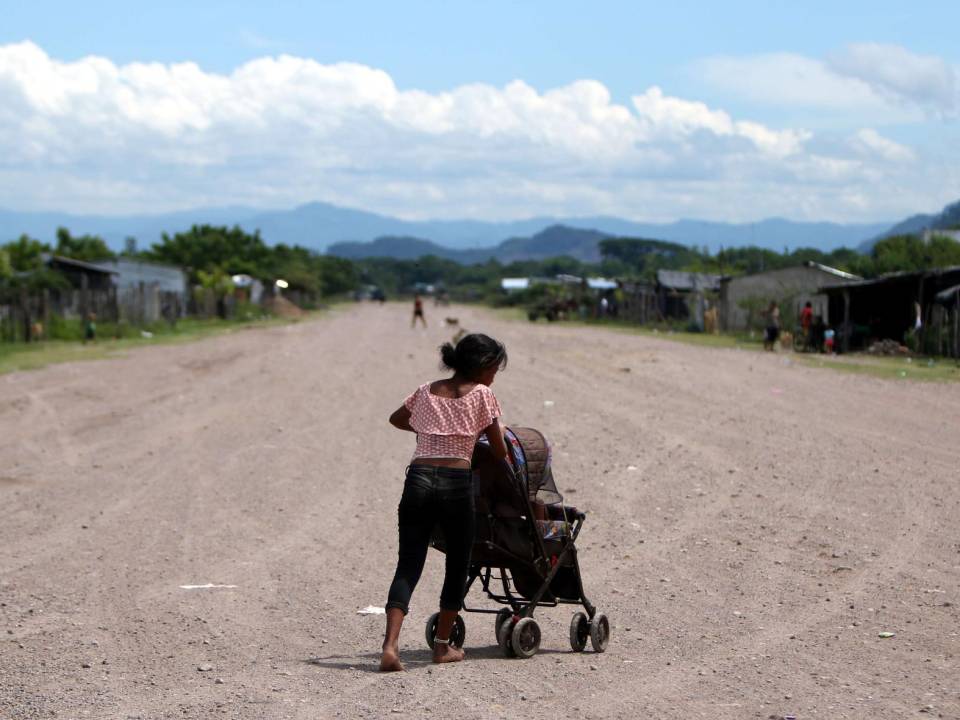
pixel 401 419
pixel 498 445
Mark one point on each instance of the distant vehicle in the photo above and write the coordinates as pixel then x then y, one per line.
pixel 369 292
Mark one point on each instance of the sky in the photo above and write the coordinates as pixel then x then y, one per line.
pixel 497 110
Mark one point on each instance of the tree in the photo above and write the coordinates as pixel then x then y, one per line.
pixel 22 266
pixel 26 254
pixel 911 253
pixel 89 248
pixel 337 275
pixel 208 247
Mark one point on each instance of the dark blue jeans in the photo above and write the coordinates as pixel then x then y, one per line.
pixel 434 496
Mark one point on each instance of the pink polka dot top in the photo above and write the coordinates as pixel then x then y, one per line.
pixel 449 427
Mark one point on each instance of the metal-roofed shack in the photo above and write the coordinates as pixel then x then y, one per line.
pixel 148 291
pixel 744 298
pixel 81 275
pixel 685 295
pixel 907 307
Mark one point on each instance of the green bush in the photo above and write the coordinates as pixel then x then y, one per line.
pixel 59 328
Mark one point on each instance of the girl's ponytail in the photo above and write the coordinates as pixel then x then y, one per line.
pixel 448 356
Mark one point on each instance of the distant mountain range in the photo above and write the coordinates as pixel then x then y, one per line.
pixel 946 219
pixel 550 242
pixel 320 225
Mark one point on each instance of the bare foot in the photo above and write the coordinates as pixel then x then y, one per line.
pixel 446 653
pixel 390 661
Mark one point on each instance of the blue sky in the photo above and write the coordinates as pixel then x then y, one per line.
pixel 438 45
pixel 832 82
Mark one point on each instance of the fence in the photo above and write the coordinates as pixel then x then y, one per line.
pixel 941 333
pixel 640 304
pixel 26 315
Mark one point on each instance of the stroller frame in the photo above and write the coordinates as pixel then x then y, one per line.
pixel 507 514
pixel 520 606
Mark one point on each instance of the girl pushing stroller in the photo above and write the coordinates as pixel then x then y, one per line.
pixel 448 416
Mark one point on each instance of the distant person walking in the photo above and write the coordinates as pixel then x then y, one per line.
pixel 90 329
pixel 447 416
pixel 418 311
pixel 806 324
pixel 773 326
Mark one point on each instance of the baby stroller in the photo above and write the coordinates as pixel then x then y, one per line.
pixel 524 552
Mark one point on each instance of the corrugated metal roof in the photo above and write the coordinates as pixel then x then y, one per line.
pixel 682 280
pixel 78 264
pixel 894 276
pixel 951 294
pixel 832 270
pixel 807 264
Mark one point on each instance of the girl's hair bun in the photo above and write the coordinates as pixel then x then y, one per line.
pixel 448 356
pixel 474 353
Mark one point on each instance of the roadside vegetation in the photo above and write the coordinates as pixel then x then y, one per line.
pixel 32 356
pixel 212 255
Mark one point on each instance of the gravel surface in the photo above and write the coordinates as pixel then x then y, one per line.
pixel 753 527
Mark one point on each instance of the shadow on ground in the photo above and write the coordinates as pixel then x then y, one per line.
pixel 369 662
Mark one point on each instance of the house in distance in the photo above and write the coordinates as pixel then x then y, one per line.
pixel 744 299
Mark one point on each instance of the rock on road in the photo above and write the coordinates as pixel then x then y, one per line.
pixel 753 526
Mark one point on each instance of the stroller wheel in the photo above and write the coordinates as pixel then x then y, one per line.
pixel 504 636
pixel 599 632
pixel 502 617
pixel 457 635
pixel 579 631
pixel 525 638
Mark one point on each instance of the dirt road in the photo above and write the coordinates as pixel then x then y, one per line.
pixel 753 526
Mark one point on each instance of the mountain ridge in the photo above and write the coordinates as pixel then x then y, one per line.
pixel 319 225
pixel 552 241
pixel 947 218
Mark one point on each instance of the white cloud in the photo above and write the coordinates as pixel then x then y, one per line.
pixel 785 79
pixel 872 143
pixel 92 136
pixel 895 72
pixel 887 83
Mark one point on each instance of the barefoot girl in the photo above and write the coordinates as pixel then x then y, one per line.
pixel 447 416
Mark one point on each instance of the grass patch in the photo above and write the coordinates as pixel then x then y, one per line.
pixel 510 313
pixel 889 368
pixel 32 356
pixel 663 333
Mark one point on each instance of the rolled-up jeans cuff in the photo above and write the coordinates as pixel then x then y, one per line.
pixel 453 606
pixel 398 605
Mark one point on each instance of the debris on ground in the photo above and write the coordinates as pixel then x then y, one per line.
pixel 888 347
pixel 372 610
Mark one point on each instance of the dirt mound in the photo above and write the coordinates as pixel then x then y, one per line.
pixel 281 307
pixel 888 347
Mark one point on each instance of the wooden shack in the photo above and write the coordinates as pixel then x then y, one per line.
pixel 901 306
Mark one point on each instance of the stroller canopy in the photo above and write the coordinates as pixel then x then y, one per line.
pixel 531 454
pixel 505 491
